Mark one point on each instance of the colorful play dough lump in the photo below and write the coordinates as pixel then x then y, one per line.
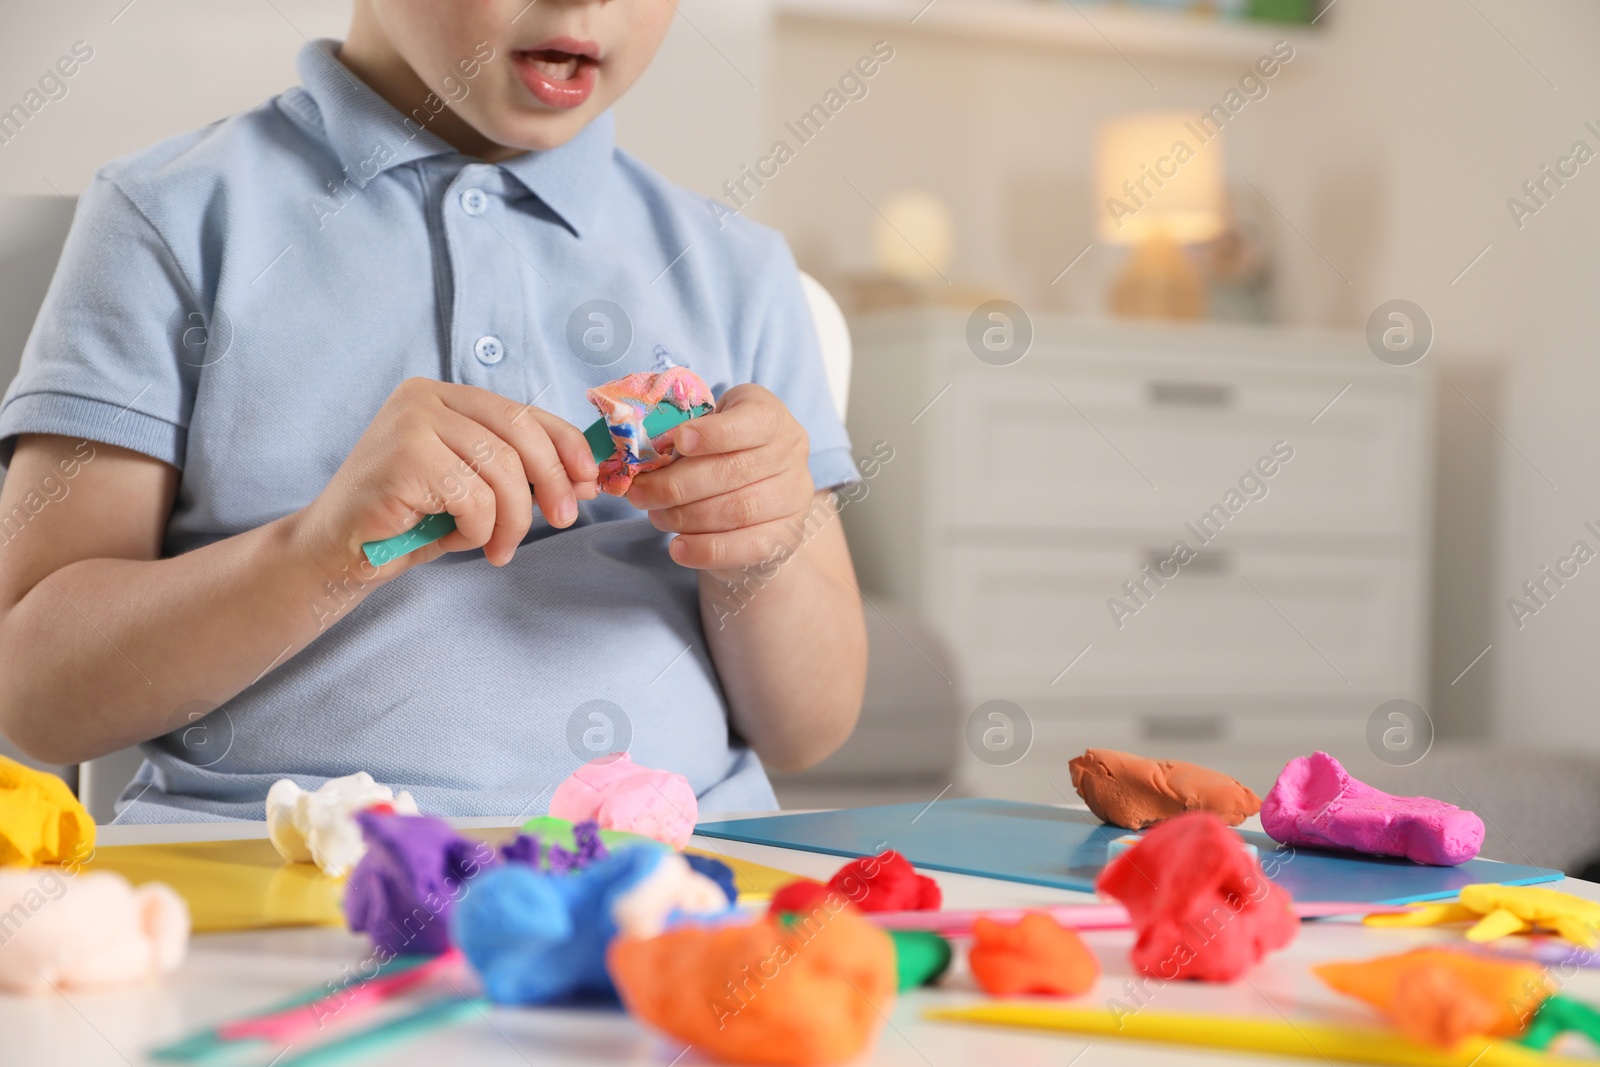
pixel 539 938
pixel 86 931
pixel 885 882
pixel 805 990
pixel 1499 910
pixel 1035 955
pixel 413 875
pixel 319 826
pixel 1439 996
pixel 621 795
pixel 40 820
pixel 1134 792
pixel 920 958
pixel 625 403
pixel 1200 904
pixel 1317 804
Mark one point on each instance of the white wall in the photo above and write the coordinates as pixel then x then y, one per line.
pixel 162 67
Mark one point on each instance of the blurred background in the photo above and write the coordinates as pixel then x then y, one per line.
pixel 1105 265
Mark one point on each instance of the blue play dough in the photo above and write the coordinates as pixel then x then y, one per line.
pixel 539 938
pixel 717 871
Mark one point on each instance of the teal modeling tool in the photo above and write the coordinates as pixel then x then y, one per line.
pixel 210 1044
pixel 663 417
pixel 447 1011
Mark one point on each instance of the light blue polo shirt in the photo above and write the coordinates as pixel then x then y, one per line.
pixel 239 302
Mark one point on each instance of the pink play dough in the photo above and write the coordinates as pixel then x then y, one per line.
pixel 1316 803
pixel 621 795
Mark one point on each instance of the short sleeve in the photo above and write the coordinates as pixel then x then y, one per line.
pixel 788 361
pixel 105 361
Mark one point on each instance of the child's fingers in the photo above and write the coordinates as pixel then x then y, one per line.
pixel 518 426
pixel 695 478
pixel 732 550
pixel 748 417
pixel 573 448
pixel 771 499
pixel 496 510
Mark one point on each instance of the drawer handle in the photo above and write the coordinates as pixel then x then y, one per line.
pixel 1212 563
pixel 1191 394
pixel 1184 728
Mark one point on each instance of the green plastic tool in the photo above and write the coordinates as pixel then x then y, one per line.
pixel 662 418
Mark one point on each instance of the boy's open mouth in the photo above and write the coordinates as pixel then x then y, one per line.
pixel 559 74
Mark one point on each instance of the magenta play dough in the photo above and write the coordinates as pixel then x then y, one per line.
pixel 1317 804
pixel 621 795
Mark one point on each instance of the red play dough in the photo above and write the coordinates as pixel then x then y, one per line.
pixel 803 895
pixel 1036 955
pixel 1200 903
pixel 886 882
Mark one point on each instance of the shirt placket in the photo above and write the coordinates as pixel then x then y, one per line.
pixel 488 338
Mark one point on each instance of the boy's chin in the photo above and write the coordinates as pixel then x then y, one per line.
pixel 540 131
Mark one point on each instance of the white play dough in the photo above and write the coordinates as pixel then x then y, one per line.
pixel 673 887
pixel 86 931
pixel 320 827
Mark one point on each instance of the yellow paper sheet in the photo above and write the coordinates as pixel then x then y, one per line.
pixel 246 885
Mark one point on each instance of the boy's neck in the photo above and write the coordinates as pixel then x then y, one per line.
pixel 369 55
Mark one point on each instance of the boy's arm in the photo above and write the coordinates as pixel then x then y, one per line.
pixel 778 596
pixel 791 649
pixel 104 644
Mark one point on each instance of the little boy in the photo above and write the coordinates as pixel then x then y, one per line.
pixel 383 294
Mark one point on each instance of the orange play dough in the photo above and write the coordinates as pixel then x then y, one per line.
pixel 1439 996
pixel 1036 955
pixel 808 989
pixel 1133 792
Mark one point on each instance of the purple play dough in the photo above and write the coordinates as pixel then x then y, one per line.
pixel 1315 803
pixel 405 887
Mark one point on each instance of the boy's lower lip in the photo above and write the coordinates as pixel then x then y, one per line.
pixel 565 93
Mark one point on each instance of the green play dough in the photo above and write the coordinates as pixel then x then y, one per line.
pixel 1557 1016
pixel 920 957
pixel 553 831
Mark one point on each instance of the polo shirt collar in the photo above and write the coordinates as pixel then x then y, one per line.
pixel 369 136
pixel 571 179
pixel 364 130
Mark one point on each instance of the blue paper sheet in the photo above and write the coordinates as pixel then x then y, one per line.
pixel 1066 849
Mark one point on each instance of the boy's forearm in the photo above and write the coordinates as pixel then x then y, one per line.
pixel 104 653
pixel 789 642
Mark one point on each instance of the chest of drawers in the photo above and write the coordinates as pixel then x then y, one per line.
pixel 1202 542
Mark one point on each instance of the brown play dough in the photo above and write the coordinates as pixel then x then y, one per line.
pixel 1132 791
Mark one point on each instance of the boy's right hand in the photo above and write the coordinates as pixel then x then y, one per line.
pixel 438 446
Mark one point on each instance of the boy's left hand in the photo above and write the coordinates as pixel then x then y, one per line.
pixel 741 487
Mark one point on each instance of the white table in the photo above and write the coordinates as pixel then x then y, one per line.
pixel 227 975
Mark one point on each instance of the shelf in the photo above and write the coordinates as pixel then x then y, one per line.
pixel 1098 27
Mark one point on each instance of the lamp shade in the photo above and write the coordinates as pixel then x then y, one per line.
pixel 1157 174
pixel 913 239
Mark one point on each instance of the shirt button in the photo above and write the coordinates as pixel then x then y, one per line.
pixel 474 201
pixel 489 350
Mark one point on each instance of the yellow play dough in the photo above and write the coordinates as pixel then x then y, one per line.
pixel 40 820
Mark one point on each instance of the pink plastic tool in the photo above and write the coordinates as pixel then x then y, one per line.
pixel 289 1023
pixel 1086 916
